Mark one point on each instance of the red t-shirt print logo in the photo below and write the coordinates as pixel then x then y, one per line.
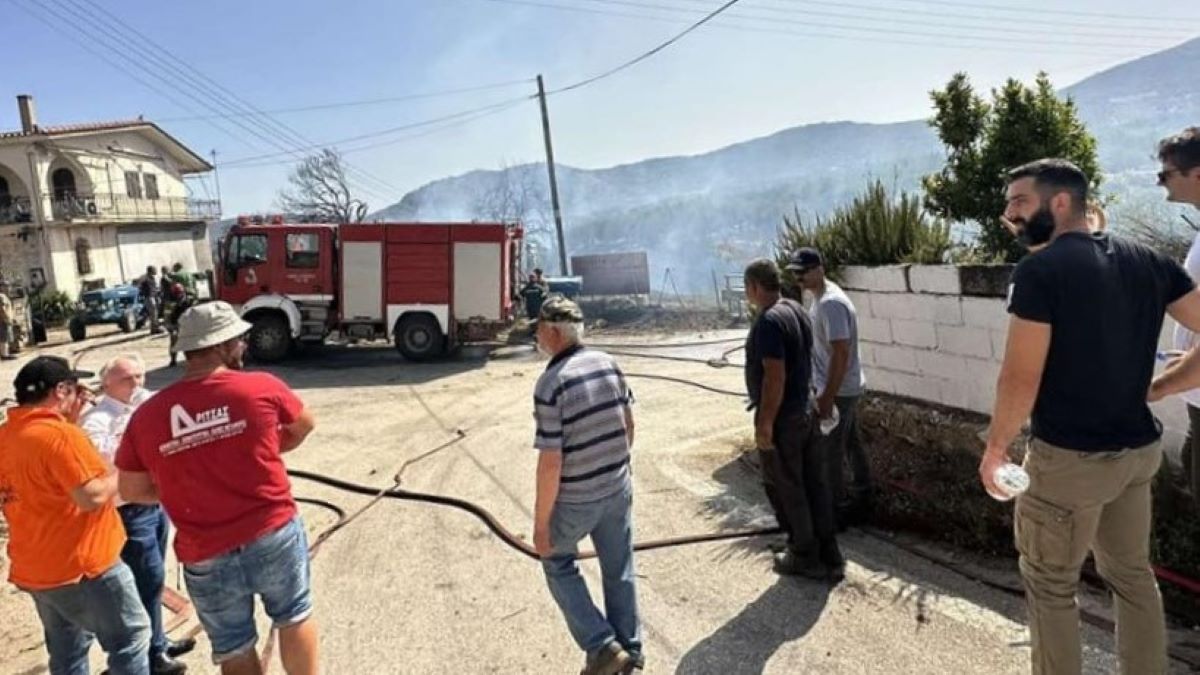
pixel 182 423
pixel 214 424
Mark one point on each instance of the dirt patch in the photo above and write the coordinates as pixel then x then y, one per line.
pixel 622 315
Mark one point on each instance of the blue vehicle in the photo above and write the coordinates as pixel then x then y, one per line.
pixel 121 305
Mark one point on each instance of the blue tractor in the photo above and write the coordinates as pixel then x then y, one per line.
pixel 121 305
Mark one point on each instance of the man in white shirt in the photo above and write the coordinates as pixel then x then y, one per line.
pixel 1180 175
pixel 838 384
pixel 146 527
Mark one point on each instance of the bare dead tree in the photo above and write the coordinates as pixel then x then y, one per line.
pixel 319 191
pixel 518 194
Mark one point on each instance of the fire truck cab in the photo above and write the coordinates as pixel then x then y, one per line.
pixel 425 286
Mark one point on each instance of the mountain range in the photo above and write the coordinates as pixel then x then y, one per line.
pixel 708 213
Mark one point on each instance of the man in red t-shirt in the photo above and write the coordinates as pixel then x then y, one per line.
pixel 209 447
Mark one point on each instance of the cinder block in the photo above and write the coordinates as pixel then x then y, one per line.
pixel 999 343
pixel 884 279
pixel 896 358
pixel 875 330
pixel 940 279
pixel 914 333
pixel 866 354
pixel 915 386
pixel 965 341
pixel 862 303
pixel 984 371
pixel 981 398
pixel 947 310
pixel 954 393
pixel 937 364
pixel 989 313
pixel 880 380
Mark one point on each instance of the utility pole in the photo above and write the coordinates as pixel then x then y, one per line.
pixel 558 225
pixel 217 180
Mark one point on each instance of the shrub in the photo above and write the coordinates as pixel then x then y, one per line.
pixel 874 229
pixel 52 308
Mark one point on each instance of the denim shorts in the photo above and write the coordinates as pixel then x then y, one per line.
pixel 273 567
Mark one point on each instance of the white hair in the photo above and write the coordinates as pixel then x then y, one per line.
pixel 133 358
pixel 571 331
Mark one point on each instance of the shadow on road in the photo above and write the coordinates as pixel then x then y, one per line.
pixel 333 366
pixel 784 612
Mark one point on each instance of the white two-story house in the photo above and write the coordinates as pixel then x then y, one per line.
pixel 92 205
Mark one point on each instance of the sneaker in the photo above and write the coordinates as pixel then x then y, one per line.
pixel 612 660
pixel 790 564
pixel 636 662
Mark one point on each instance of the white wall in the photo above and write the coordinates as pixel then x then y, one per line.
pixel 920 337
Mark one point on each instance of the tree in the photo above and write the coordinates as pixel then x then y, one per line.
pixel 983 140
pixel 518 194
pixel 320 193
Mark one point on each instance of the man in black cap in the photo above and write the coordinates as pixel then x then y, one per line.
pixel 65 536
pixel 838 383
pixel 794 470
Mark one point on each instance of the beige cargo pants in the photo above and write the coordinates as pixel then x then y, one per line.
pixel 1090 501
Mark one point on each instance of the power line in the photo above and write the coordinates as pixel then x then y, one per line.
pixel 944 41
pixel 645 55
pixel 473 113
pixel 223 97
pixel 888 30
pixel 956 21
pixel 1122 27
pixel 1041 9
pixel 358 103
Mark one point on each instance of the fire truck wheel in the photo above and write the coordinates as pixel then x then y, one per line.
pixel 419 338
pixel 269 339
pixel 77 328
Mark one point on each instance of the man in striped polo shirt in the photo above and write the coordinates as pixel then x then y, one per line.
pixel 584 433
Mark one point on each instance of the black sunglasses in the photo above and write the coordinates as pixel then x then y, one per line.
pixel 1165 174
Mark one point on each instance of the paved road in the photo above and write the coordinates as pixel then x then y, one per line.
pixel 416 588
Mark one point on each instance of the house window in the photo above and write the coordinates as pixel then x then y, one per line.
pixel 151 185
pixel 83 256
pixel 302 250
pixel 63 182
pixel 133 186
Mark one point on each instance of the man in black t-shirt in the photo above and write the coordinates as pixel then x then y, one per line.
pixel 1087 310
pixel 794 468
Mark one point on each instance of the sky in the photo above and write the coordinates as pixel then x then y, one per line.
pixel 764 66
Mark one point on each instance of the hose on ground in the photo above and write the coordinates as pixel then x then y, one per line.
pixel 506 536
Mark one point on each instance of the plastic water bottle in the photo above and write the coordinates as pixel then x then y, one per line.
pixel 828 424
pixel 1012 480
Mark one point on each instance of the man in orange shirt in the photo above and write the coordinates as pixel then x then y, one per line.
pixel 65 536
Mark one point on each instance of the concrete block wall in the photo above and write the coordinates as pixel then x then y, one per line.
pixel 921 337
pixel 937 333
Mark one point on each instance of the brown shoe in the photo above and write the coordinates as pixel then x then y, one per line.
pixel 611 660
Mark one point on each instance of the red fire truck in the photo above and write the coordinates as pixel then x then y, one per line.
pixel 426 286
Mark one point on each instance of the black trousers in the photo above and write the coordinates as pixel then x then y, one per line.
pixel 796 477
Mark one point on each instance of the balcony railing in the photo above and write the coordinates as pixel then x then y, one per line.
pixel 120 208
pixel 15 210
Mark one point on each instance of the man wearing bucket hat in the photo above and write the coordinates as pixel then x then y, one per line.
pixel 65 535
pixel 210 448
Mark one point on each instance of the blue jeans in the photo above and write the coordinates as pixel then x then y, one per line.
pixel 107 608
pixel 273 567
pixel 145 549
pixel 609 522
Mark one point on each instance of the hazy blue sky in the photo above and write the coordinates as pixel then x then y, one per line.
pixel 735 79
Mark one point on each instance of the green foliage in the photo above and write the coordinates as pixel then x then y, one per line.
pixel 874 229
pixel 983 140
pixel 53 308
